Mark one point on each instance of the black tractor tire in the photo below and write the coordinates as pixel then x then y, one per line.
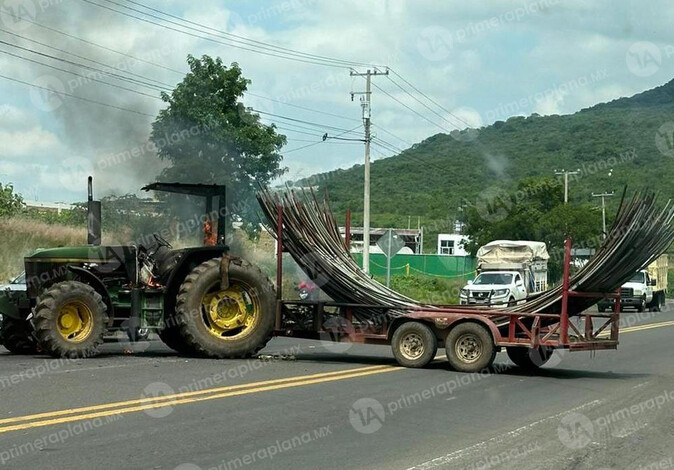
pixel 49 310
pixel 529 358
pixel 470 347
pixel 170 336
pixel 17 336
pixel 193 320
pixel 414 344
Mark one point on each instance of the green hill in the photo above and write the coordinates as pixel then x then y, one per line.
pixel 434 177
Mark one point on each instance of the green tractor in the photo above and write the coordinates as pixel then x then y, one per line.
pixel 200 301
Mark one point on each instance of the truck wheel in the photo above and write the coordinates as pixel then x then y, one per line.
pixel 17 336
pixel 70 320
pixel 654 306
pixel 470 347
pixel 601 309
pixel 642 305
pixel 511 302
pixel 414 344
pixel 234 322
pixel 529 358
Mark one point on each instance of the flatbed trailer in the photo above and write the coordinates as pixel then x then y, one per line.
pixel 471 335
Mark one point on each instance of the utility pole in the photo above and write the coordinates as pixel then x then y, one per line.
pixel 367 115
pixel 566 182
pixel 603 197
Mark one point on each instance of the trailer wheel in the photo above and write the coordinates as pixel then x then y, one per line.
pixel 470 347
pixel 17 336
pixel 529 358
pixel 414 344
pixel 70 320
pixel 234 322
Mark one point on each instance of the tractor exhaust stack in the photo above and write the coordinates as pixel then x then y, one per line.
pixel 93 217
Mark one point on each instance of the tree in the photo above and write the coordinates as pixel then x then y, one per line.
pixel 208 136
pixel 534 211
pixel 10 202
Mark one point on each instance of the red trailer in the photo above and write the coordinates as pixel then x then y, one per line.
pixel 471 336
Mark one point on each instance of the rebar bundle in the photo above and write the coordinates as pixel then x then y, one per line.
pixel 640 233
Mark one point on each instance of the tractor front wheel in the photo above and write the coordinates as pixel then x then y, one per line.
pixel 226 323
pixel 70 320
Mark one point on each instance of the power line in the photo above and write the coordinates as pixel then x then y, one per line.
pixel 322 126
pixel 317 143
pixel 77 97
pixel 85 41
pixel 281 55
pixel 78 75
pixel 428 98
pixel 303 107
pixel 422 103
pixel 84 58
pixel 242 39
pixel 114 75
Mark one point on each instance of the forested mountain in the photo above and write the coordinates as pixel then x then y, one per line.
pixel 432 179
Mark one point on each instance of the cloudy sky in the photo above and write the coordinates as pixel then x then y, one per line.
pixel 477 61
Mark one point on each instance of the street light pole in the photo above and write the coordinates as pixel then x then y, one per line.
pixel 566 182
pixel 603 197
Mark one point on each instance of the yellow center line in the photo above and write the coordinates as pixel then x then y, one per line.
pixel 182 401
pixel 142 404
pixel 648 326
pixel 155 400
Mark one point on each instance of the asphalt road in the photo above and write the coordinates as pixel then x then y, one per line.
pixel 323 405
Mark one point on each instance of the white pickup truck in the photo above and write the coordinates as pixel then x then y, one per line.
pixel 646 290
pixel 498 288
pixel 509 271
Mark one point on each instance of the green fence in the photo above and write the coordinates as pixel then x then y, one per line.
pixel 430 265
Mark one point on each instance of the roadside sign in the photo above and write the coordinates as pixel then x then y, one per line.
pixel 390 243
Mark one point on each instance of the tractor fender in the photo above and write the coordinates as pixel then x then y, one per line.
pixel 94 281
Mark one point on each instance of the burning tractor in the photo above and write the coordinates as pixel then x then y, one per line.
pixel 199 300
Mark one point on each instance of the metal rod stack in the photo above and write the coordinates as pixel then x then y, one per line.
pixel 640 233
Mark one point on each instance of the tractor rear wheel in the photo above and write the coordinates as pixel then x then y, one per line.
pixel 17 336
pixel 170 335
pixel 226 323
pixel 70 320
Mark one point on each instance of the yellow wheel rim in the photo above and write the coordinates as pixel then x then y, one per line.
pixel 230 313
pixel 75 321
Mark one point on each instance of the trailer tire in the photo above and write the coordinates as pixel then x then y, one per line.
pixel 470 347
pixel 230 323
pixel 414 344
pixel 17 336
pixel 529 358
pixel 70 320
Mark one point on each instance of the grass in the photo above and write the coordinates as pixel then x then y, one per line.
pixel 19 237
pixel 427 289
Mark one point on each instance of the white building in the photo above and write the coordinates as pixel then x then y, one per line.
pixel 452 244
